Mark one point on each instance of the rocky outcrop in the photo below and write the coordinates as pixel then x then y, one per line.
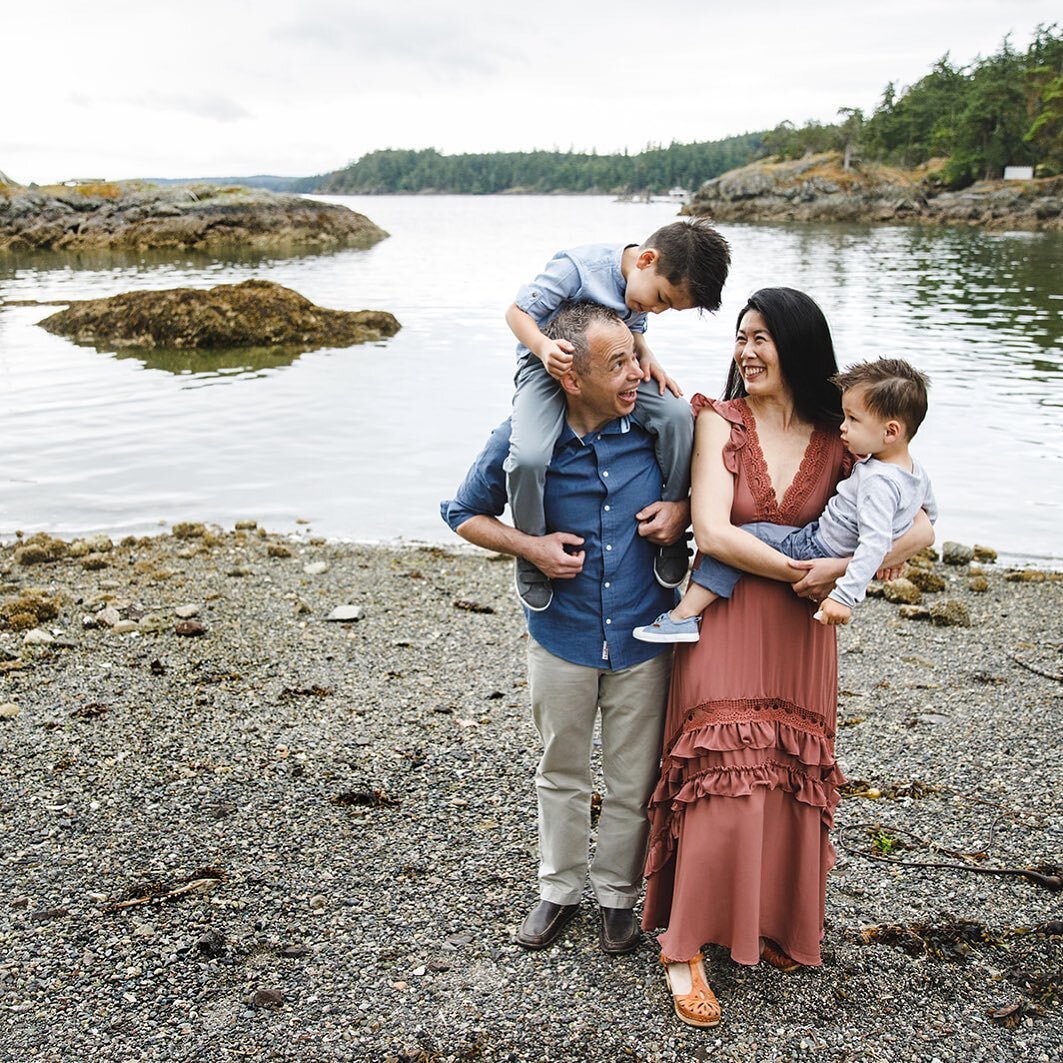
pixel 817 188
pixel 252 314
pixel 137 217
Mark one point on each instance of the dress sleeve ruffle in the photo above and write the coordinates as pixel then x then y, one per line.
pixel 732 760
pixel 731 412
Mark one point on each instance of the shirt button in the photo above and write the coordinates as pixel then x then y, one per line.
pixel 608 584
pixel 606 509
pixel 609 546
pixel 605 472
pixel 608 621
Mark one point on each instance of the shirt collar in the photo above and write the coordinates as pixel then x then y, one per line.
pixel 618 426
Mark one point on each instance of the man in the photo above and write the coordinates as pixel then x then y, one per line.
pixel 604 521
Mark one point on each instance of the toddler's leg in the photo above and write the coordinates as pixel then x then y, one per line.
pixel 536 421
pixel 671 422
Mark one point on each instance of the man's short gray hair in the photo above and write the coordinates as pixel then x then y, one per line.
pixel 573 321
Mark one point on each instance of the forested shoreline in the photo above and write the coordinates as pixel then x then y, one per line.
pixel 1005 109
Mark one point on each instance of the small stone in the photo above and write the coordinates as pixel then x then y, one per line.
pixel 902 591
pixel 346 613
pixel 108 616
pixel 278 550
pixel 211 943
pixel 37 637
pixel 301 607
pixel 246 525
pixel 94 562
pixel 267 998
pixel 98 544
pixel 316 568
pixel 89 621
pixel 978 584
pixel 239 571
pixel 950 613
pixel 9 711
pixel 914 612
pixel 956 554
pixel 124 627
pixel 984 553
pixel 154 623
pixel 189 628
pixel 318 902
pixel 186 612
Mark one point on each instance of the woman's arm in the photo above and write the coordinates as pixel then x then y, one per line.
pixel 711 499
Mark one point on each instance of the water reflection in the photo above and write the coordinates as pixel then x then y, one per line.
pixel 230 363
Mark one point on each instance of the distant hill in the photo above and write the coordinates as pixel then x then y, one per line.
pixel 267 181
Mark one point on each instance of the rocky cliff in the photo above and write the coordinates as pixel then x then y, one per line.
pixel 817 188
pixel 137 217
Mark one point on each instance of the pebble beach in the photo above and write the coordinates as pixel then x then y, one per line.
pixel 271 798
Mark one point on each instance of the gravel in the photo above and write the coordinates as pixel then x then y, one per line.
pixel 280 837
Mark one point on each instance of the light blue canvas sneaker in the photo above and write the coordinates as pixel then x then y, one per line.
pixel 665 629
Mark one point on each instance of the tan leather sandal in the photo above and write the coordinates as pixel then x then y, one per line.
pixel 771 954
pixel 695 1003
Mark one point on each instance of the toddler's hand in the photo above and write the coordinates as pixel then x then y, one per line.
pixel 653 370
pixel 556 356
pixel 831 612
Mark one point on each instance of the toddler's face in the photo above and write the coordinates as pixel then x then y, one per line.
pixel 863 432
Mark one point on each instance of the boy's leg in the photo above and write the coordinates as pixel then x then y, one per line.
pixel 720 578
pixel 536 422
pixel 671 422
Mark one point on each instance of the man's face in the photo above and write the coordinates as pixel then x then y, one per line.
pixel 609 387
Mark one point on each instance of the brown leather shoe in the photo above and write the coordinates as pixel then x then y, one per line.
pixel 544 924
pixel 619 932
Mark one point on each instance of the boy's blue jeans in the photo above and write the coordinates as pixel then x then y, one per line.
pixel 800 544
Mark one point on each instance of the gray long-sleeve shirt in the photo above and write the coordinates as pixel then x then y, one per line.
pixel 876 504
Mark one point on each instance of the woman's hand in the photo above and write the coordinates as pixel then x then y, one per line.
pixel 819 577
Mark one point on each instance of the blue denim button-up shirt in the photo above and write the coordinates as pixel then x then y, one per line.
pixel 594 488
pixel 589 274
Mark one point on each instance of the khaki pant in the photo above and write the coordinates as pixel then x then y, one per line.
pixel 566 698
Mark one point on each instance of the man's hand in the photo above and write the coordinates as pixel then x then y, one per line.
pixel 832 612
pixel 819 578
pixel 653 370
pixel 549 556
pixel 663 522
pixel 556 356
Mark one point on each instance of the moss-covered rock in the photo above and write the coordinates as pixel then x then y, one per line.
pixel 32 607
pixel 902 591
pixel 926 580
pixel 950 613
pixel 978 583
pixel 984 553
pixel 141 217
pixel 956 554
pixel 255 313
pixel 39 549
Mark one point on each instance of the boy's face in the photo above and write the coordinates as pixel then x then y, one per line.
pixel 864 432
pixel 648 292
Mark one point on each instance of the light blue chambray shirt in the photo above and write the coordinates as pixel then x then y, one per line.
pixel 580 274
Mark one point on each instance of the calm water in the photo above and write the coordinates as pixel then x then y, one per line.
pixel 363 442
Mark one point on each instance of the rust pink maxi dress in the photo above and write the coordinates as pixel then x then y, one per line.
pixel 738 845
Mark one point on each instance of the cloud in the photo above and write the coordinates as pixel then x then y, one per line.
pixel 202 105
pixel 432 41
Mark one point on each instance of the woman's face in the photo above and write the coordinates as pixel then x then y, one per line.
pixel 756 356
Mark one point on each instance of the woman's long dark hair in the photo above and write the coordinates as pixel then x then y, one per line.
pixel 806 353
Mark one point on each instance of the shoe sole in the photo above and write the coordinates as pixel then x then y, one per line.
pixel 670 586
pixel 520 597
pixel 646 636
pixel 619 950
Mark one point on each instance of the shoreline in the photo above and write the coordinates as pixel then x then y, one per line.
pixel 238 828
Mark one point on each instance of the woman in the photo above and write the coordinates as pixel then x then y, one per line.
pixel 739 850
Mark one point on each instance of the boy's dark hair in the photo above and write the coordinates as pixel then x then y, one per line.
pixel 692 254
pixel 893 390
pixel 573 321
pixel 806 352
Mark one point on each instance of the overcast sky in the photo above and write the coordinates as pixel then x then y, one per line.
pixel 116 89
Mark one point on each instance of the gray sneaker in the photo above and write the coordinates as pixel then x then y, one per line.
pixel 533 588
pixel 671 564
pixel 665 629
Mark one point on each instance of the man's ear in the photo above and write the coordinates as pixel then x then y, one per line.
pixel 570 383
pixel 647 258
